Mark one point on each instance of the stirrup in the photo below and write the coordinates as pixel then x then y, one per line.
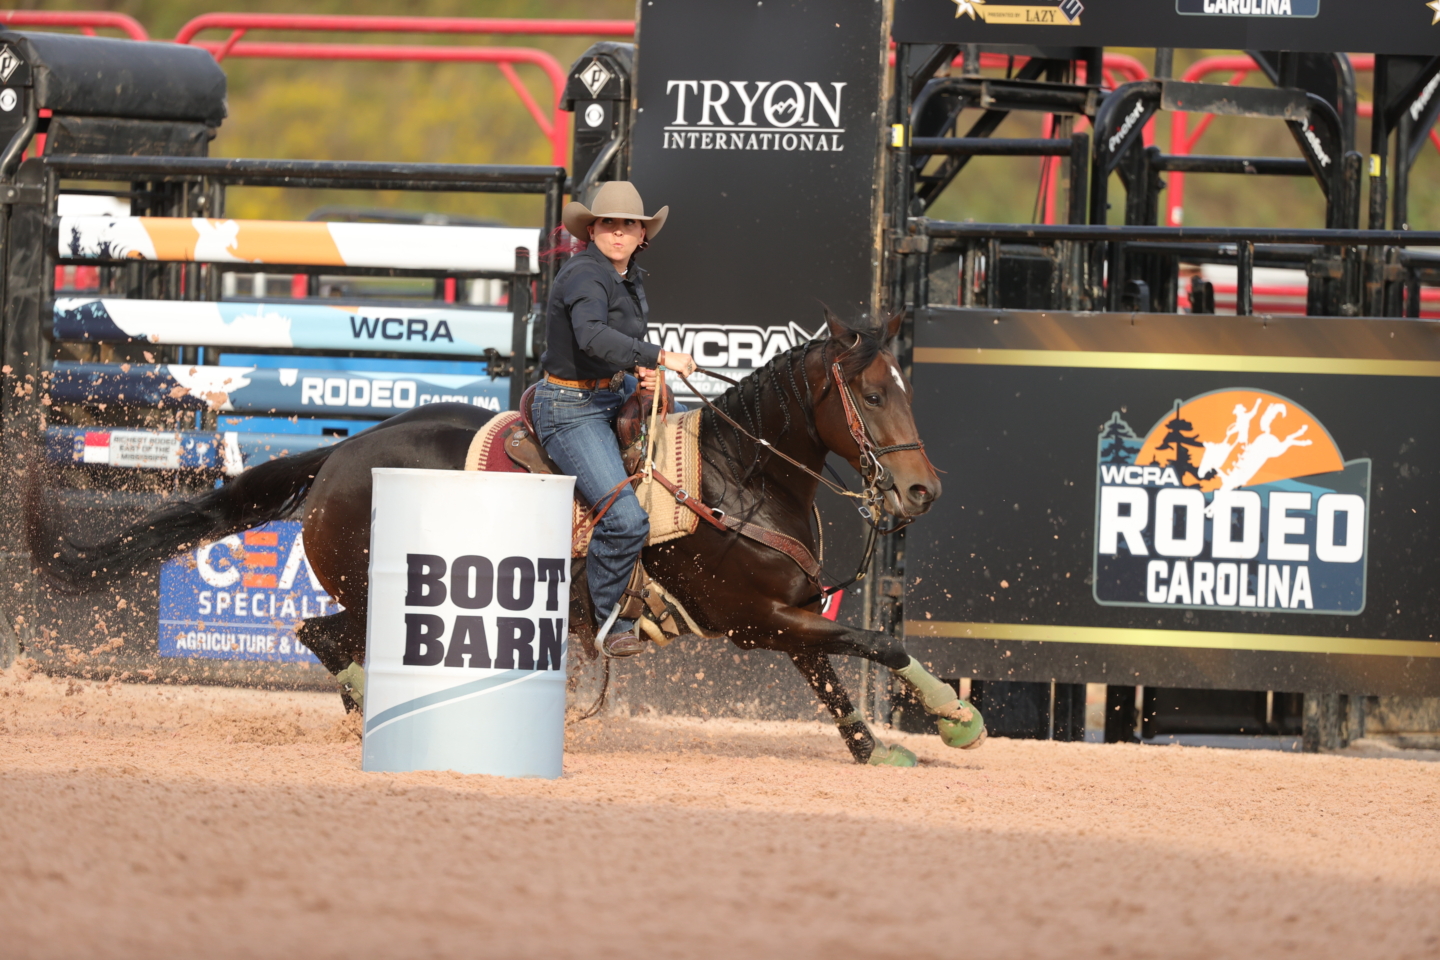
pixel 622 645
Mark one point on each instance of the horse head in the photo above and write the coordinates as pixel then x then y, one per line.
pixel 863 415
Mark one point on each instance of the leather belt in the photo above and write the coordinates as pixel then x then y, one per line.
pixel 602 383
pixel 577 384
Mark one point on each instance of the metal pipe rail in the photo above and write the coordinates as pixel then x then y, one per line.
pixel 86 21
pixel 340 23
pixel 347 174
pixel 950 230
pixel 991 147
pixel 1092 262
pixel 1253 166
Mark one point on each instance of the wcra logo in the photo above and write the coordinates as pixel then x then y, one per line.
pixel 734 349
pixel 1235 499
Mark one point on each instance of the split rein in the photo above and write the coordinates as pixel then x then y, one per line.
pixel 876 477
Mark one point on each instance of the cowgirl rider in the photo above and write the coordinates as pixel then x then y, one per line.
pixel 595 327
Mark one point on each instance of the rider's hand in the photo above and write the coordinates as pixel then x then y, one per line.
pixel 673 360
pixel 647 378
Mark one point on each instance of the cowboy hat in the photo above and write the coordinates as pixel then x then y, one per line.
pixel 617 198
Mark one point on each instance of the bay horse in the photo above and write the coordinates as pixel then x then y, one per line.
pixel 763 443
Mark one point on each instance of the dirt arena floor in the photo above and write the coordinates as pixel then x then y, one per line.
pixel 158 821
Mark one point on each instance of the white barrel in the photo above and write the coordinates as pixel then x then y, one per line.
pixel 469 609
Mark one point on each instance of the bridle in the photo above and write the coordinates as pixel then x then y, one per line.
pixel 876 477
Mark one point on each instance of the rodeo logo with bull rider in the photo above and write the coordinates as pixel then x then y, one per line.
pixel 1237 499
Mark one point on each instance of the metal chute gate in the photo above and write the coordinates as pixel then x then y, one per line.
pixel 160 378
pixel 1040 325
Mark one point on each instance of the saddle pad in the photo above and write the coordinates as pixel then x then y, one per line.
pixel 677 455
pixel 488 455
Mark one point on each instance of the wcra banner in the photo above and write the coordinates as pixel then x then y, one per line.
pixel 1149 499
pixel 1237 498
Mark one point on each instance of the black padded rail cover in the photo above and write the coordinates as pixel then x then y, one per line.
pixel 140 80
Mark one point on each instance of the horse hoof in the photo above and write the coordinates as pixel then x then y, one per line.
pixel 352 683
pixel 966 734
pixel 893 755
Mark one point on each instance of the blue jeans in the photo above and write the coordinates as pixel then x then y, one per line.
pixel 577 428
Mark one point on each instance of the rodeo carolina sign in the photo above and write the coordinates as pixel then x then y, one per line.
pixel 1237 498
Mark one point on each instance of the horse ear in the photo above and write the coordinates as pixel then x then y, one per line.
pixel 838 330
pixel 892 329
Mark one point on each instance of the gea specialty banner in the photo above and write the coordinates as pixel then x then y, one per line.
pixel 242 597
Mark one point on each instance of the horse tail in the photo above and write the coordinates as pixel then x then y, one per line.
pixel 262 493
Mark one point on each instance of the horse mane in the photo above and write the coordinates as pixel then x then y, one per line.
pixel 854 349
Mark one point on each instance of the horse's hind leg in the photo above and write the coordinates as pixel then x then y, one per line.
pixel 333 640
pixel 816 669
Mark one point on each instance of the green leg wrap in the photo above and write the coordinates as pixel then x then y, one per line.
pixel 352 681
pixel 959 723
pixel 892 755
pixel 935 693
pixel 881 755
pixel 963 734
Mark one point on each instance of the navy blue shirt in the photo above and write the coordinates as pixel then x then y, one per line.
pixel 595 323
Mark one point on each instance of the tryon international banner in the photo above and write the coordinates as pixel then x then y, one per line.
pixel 761 126
pixel 780 115
pixel 1233 499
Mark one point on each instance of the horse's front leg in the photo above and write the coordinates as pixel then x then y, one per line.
pixel 959 723
pixel 816 669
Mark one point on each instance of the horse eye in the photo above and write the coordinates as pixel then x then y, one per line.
pixel 873 399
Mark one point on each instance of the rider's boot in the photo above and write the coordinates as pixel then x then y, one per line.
pixel 622 640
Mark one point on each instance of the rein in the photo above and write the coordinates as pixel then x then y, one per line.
pixel 876 476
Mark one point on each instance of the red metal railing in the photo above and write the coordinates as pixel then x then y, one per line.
pixel 550 120
pixel 437 25
pixel 87 21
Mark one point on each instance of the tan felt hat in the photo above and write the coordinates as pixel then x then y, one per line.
pixel 617 198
